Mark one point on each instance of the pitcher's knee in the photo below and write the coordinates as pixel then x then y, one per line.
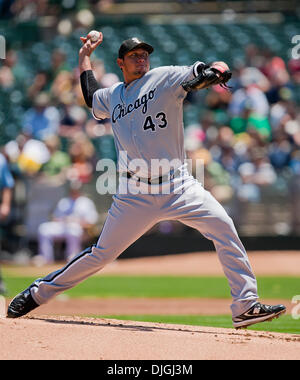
pixel 102 257
pixel 228 220
pixel 221 217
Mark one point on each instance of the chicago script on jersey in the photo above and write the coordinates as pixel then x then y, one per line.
pixel 120 110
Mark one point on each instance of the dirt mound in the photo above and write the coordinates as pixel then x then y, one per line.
pixel 67 338
pixel 45 335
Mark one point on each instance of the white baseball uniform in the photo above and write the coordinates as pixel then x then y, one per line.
pixel 147 121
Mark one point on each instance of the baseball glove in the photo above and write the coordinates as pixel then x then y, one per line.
pixel 210 75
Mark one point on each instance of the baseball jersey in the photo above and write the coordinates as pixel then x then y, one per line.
pixel 147 115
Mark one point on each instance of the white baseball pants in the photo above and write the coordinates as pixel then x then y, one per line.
pixel 130 216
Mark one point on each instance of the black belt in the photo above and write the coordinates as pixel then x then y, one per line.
pixel 152 181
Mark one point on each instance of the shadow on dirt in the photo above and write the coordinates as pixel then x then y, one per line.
pixel 144 328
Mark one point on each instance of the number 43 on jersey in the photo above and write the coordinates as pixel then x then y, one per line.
pixel 158 121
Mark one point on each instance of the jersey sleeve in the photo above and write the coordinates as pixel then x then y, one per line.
pixel 100 107
pixel 180 74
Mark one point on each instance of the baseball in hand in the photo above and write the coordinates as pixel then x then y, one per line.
pixel 94 35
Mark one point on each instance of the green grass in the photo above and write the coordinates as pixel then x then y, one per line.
pixel 284 324
pixel 165 287
pixel 177 287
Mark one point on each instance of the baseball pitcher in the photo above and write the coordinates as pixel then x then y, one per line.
pixel 146 112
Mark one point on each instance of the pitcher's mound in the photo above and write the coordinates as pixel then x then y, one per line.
pixel 77 338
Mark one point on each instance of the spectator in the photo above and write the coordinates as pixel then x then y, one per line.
pixel 58 64
pixel 295 162
pixel 294 69
pixel 253 57
pixel 294 191
pixel 55 169
pixel 255 174
pixel 104 79
pixel 280 84
pixel 280 150
pixel 12 72
pixel 6 194
pixel 73 119
pixel 39 84
pixel 6 185
pixel 82 152
pixel 25 10
pixel 73 217
pixel 218 100
pixel 42 120
pixel 7 79
pixel 62 85
pixel 249 108
pixel 101 134
pixel 34 154
pixel 278 114
pixel 251 95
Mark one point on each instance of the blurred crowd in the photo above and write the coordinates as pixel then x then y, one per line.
pixel 56 116
pixel 56 148
pixel 248 137
pixel 31 9
pixel 24 10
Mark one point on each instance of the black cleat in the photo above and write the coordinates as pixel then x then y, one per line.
pixel 258 313
pixel 22 304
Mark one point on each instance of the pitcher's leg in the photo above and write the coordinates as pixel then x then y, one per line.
pixel 127 220
pixel 211 220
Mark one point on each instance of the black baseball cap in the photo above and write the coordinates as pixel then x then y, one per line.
pixel 133 43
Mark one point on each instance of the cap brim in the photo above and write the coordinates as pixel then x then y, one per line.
pixel 145 46
pixel 142 45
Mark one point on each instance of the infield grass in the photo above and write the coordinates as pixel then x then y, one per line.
pixel 284 324
pixel 164 287
pixel 176 287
